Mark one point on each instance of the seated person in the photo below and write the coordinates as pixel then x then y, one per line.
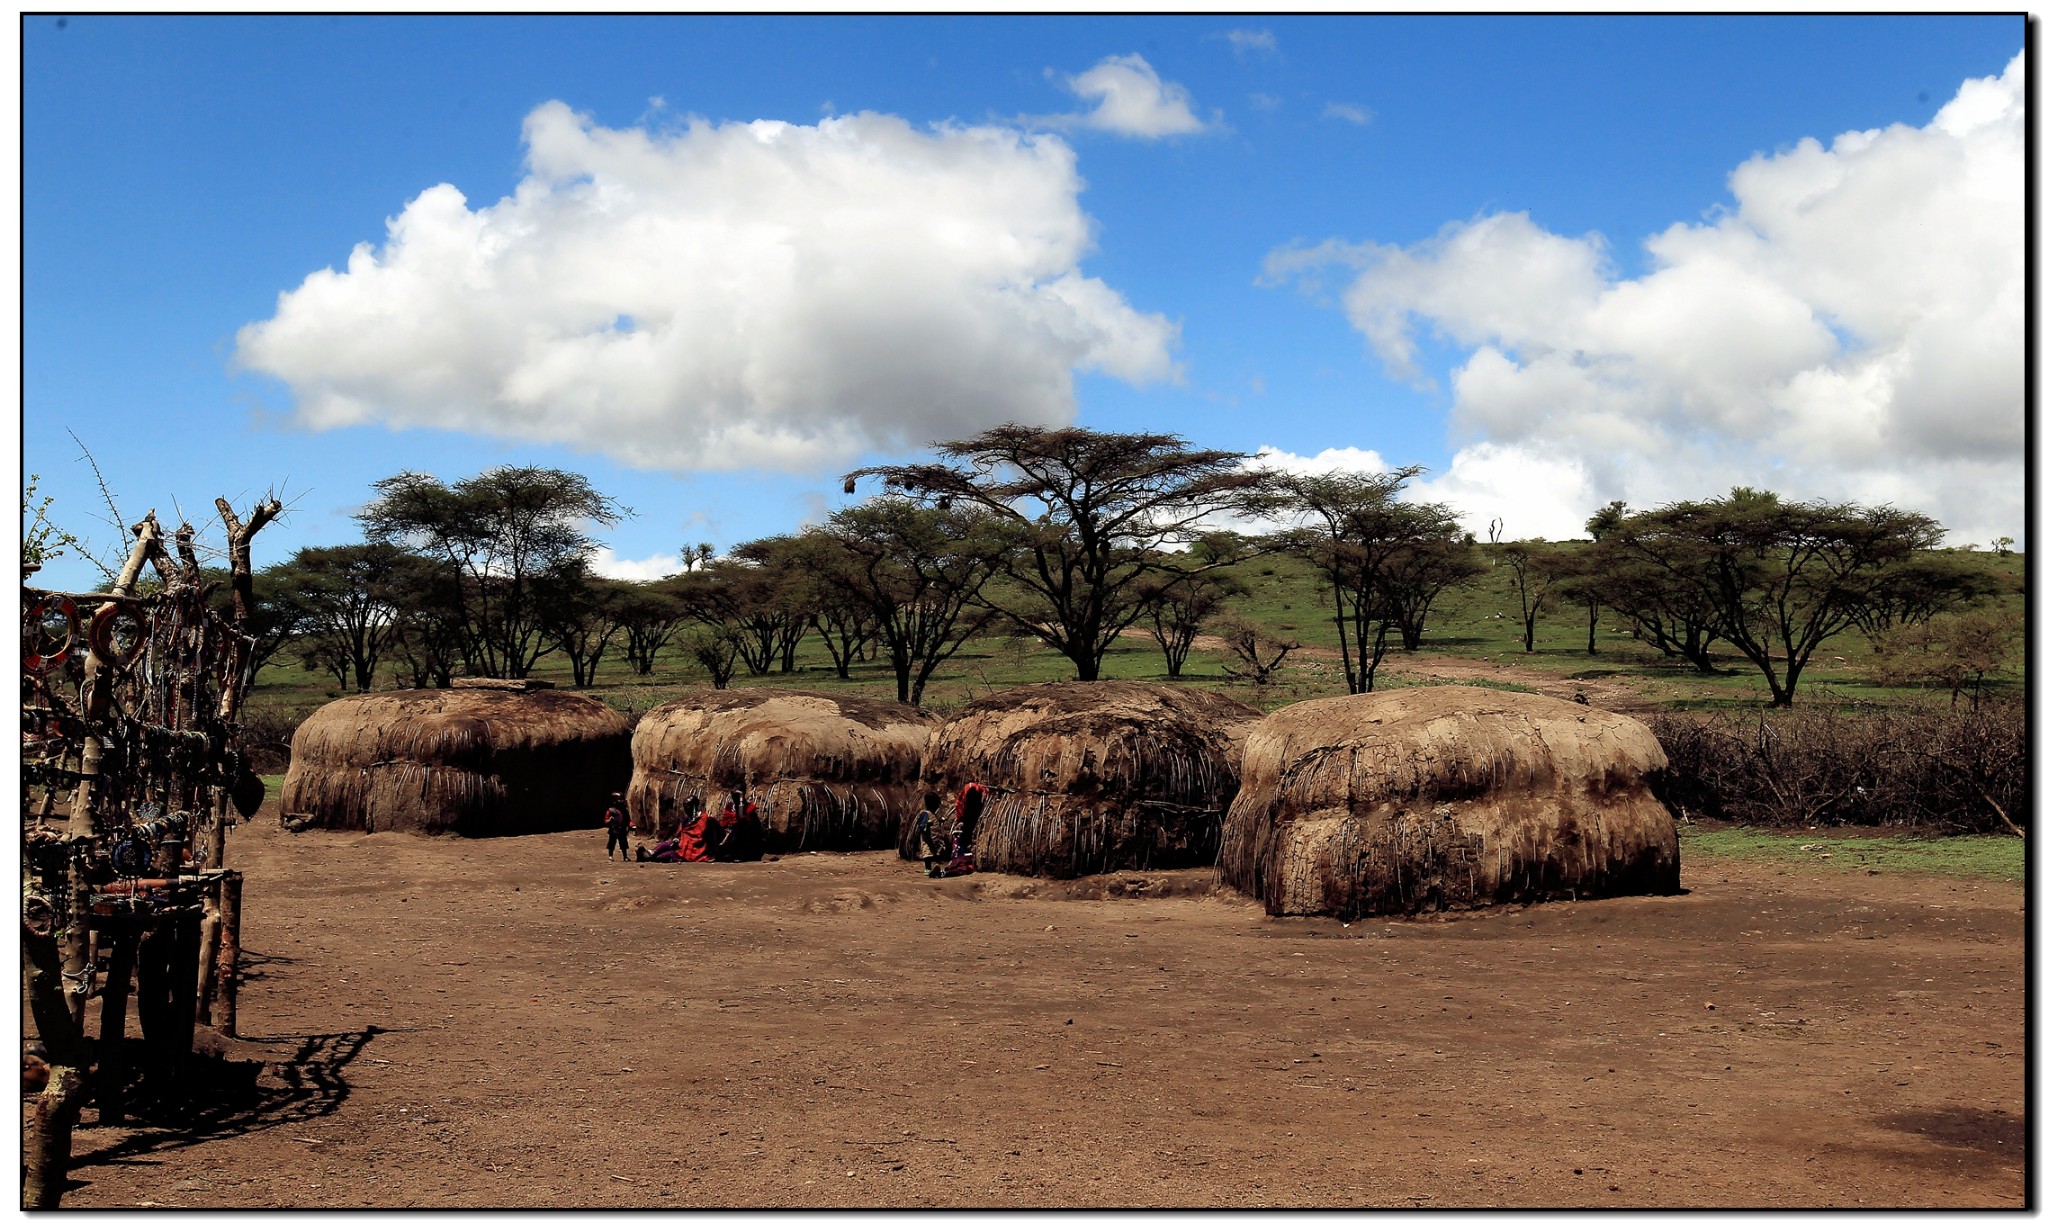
pixel 677 847
pixel 690 837
pixel 744 836
pixel 927 840
pixel 966 821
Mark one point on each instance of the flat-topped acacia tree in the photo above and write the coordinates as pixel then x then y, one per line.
pixel 1089 516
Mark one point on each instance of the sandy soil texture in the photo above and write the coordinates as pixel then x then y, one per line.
pixel 434 1022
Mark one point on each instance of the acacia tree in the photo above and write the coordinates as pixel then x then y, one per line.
pixel 1089 515
pixel 777 601
pixel 349 607
pixel 584 614
pixel 1533 568
pixel 277 613
pixel 719 595
pixel 1356 533
pixel 504 533
pixel 1418 574
pixel 1783 576
pixel 917 572
pixel 425 639
pixel 1579 581
pixel 651 614
pixel 1176 610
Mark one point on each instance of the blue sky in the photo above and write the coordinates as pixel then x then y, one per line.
pixel 1506 248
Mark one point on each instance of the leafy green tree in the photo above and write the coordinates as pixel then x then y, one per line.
pixel 1606 520
pixel 1580 581
pixel 427 639
pixel 777 598
pixel 1782 576
pixel 1089 516
pixel 1416 575
pixel 1959 651
pixel 584 613
pixel 918 573
pixel 1355 531
pixel 504 533
pixel 348 604
pixel 720 596
pixel 1919 588
pixel 650 614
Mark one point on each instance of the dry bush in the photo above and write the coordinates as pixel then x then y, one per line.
pixel 1962 769
pixel 267 732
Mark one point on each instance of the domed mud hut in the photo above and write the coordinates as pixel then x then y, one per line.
pixel 826 772
pixel 476 761
pixel 1086 778
pixel 1446 798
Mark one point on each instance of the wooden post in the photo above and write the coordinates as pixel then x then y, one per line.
pixel 209 947
pixel 46 1150
pixel 227 969
pixel 97 698
pixel 110 1077
pixel 184 982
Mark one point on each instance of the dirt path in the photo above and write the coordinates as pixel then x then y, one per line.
pixel 518 1023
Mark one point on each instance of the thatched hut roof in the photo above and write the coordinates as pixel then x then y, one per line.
pixel 1446 797
pixel 1091 777
pixel 826 772
pixel 474 761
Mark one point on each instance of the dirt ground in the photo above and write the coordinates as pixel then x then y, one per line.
pixel 518 1023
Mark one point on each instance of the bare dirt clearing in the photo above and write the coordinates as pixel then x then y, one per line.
pixel 517 1023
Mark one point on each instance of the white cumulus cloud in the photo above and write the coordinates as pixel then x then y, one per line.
pixel 723 296
pixel 1253 42
pixel 1131 100
pixel 1348 112
pixel 1849 327
pixel 606 563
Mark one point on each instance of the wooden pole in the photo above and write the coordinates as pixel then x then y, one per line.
pixel 227 971
pixel 98 697
pixel 242 583
pixel 184 983
pixel 46 1150
pixel 209 947
pixel 111 1075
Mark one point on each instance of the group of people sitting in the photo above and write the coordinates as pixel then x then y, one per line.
pixel 733 835
pixel 947 855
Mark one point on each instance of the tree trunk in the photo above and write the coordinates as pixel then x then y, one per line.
pixel 46 1149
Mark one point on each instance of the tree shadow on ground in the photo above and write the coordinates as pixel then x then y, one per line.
pixel 288 1079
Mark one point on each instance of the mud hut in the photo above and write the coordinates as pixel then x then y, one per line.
pixel 1086 778
pixel 472 761
pixel 1446 798
pixel 826 772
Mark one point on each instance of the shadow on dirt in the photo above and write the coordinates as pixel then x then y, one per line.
pixel 1987 1131
pixel 235 1087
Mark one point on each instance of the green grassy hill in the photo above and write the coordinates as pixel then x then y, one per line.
pixel 1475 623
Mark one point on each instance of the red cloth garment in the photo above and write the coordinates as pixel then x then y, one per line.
pixel 690 840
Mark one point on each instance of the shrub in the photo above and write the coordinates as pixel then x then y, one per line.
pixel 1959 769
pixel 267 731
